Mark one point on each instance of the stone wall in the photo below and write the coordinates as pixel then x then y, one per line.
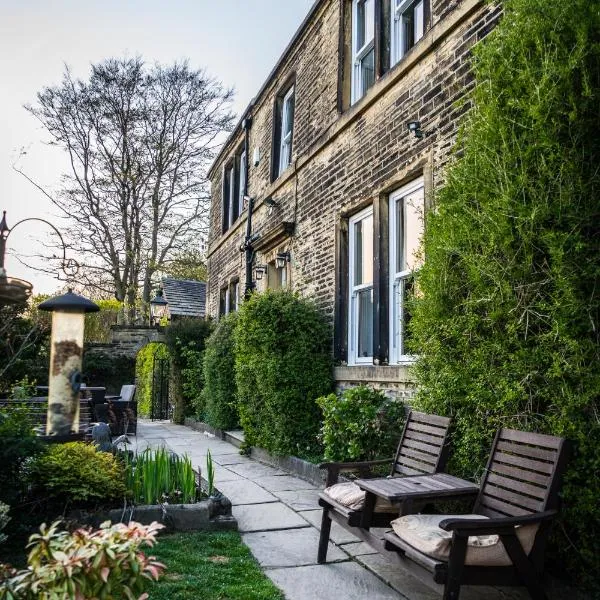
pixel 346 158
pixel 129 339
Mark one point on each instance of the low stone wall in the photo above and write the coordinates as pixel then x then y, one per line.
pixel 395 381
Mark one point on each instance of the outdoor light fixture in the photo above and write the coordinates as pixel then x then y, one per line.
pixel 282 259
pixel 415 128
pixel 270 202
pixel 66 350
pixel 158 308
pixel 259 271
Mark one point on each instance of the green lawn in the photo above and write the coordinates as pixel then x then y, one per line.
pixel 211 566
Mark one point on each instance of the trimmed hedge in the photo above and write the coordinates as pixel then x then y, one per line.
pixel 106 368
pixel 506 323
pixel 282 365
pixel 143 374
pixel 219 394
pixel 360 424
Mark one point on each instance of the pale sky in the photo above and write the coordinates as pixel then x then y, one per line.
pixel 236 41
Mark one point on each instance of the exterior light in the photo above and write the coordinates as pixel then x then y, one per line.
pixel 415 128
pixel 270 202
pixel 158 308
pixel 282 259
pixel 259 271
pixel 66 349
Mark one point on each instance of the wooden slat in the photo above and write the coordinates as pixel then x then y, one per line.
pixel 526 463
pixel 420 417
pixel 513 484
pixel 522 450
pixel 421 456
pixel 404 470
pixel 423 437
pixel 436 431
pixel 503 507
pixel 535 439
pixel 404 460
pixel 513 498
pixel 523 474
pixel 433 450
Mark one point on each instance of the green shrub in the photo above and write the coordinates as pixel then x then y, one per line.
pixel 18 443
pixel 97 324
pixel 507 321
pixel 103 563
pixel 77 473
pixel 219 393
pixel 186 340
pixel 107 369
pixel 4 519
pixel 144 363
pixel 282 363
pixel 360 424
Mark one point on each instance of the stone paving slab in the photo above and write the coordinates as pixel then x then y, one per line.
pixel 338 534
pixel 266 517
pixel 289 548
pixel 232 459
pixel 282 483
pixel 343 580
pixel 254 470
pixel 300 499
pixel 357 549
pixel 245 492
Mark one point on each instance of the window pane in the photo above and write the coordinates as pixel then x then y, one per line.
pixel 363 252
pixel 242 182
pixel 413 228
pixel 288 115
pixel 365 323
pixel 419 20
pixel 367 71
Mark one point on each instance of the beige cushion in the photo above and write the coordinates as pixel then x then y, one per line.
pixel 350 495
pixel 423 533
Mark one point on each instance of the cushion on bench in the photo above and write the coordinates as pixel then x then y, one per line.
pixel 350 495
pixel 423 533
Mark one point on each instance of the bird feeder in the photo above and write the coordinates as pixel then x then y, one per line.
pixel 66 350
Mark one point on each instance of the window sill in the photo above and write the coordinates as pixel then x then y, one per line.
pixel 379 373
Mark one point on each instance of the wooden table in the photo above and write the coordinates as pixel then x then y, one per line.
pixel 406 490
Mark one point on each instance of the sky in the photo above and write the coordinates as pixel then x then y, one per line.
pixel 236 41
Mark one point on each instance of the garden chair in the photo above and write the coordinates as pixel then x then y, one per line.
pixel 423 448
pixel 122 411
pixel 503 541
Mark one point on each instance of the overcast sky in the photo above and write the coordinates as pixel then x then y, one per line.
pixel 236 41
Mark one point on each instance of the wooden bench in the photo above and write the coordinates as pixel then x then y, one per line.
pixel 423 449
pixel 520 487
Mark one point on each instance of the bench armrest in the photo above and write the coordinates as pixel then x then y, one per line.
pixel 335 468
pixel 494 526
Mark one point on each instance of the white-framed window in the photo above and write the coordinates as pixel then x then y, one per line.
pixel 363 47
pixel 406 228
pixel 408 26
pixel 360 313
pixel 241 182
pixel 285 118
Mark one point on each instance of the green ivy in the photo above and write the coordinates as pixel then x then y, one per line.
pixel 219 376
pixel 507 318
pixel 282 364
pixel 143 374
pixel 360 424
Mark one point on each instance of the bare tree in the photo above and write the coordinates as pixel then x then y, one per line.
pixel 140 141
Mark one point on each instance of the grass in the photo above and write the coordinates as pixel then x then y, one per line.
pixel 211 566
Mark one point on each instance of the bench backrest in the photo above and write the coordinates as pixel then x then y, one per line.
pixel 424 445
pixel 127 392
pixel 523 474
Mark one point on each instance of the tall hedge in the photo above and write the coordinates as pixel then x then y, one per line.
pixel 143 374
pixel 219 391
pixel 282 363
pixel 507 320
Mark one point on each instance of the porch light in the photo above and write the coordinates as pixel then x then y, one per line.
pixel 282 259
pixel 66 349
pixel 414 127
pixel 259 271
pixel 158 308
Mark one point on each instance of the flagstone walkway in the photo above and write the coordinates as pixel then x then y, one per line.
pixel 279 519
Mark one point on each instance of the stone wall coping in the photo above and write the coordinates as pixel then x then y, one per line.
pixel 380 373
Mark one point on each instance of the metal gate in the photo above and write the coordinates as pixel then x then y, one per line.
pixel 161 409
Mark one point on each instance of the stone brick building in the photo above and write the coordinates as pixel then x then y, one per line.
pixel 339 182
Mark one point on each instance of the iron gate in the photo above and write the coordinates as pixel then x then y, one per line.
pixel 161 409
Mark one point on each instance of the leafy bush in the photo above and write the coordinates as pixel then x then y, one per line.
pixel 97 325
pixel 360 424
pixel 186 340
pixel 157 476
pixel 77 473
pixel 219 392
pixel 4 519
pixel 105 368
pixel 144 363
pixel 18 443
pixel 282 363
pixel 103 563
pixel 507 321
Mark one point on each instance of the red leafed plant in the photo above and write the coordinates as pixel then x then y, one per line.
pixel 85 564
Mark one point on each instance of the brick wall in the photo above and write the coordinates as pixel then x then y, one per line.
pixel 345 160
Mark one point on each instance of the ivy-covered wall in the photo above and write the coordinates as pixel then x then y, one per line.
pixel 143 374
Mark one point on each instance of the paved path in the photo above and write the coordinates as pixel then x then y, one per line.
pixel 279 519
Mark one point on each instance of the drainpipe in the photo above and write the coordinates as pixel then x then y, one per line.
pixel 248 247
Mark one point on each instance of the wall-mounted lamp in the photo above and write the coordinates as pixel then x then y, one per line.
pixel 282 259
pixel 270 202
pixel 158 308
pixel 256 156
pixel 415 128
pixel 259 271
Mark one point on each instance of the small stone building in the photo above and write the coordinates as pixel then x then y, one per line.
pixel 341 150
